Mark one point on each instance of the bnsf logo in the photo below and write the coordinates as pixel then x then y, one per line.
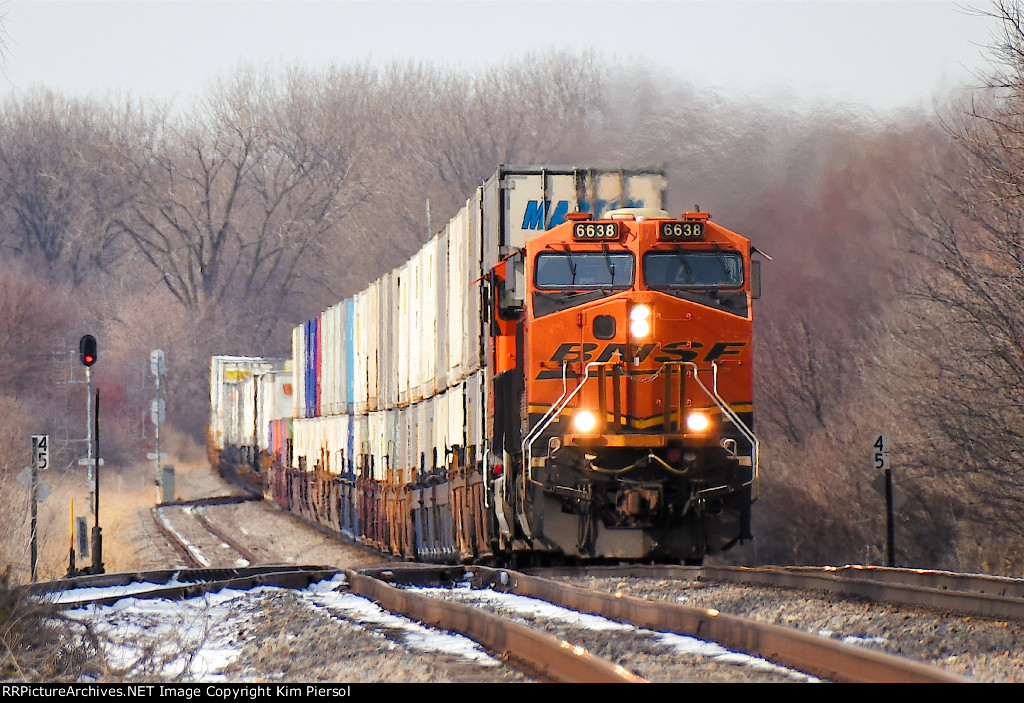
pixel 533 218
pixel 574 352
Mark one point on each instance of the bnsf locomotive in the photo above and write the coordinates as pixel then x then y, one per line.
pixel 564 372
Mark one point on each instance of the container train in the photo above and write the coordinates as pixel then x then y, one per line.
pixel 563 373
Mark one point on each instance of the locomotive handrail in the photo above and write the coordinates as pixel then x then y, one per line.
pixel 551 414
pixel 755 444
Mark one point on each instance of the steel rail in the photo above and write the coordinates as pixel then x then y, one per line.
pixel 974 594
pixel 178 544
pixel 178 584
pixel 183 547
pixel 828 659
pixel 984 595
pixel 536 653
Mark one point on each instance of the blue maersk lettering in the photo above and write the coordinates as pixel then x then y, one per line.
pixel 533 218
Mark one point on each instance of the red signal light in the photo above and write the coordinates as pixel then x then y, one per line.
pixel 87 349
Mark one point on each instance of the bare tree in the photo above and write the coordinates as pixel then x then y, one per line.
pixel 58 185
pixel 236 201
pixel 964 310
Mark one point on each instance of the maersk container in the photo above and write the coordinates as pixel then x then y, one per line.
pixel 520 202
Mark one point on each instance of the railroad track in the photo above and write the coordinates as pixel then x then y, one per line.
pixel 185 525
pixel 824 657
pixel 196 540
pixel 972 594
pixel 541 655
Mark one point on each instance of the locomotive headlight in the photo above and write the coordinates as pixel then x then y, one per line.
pixel 697 422
pixel 584 421
pixel 640 321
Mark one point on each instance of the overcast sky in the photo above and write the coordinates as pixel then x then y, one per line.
pixel 882 55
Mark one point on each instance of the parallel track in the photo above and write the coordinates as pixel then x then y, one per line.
pixel 200 551
pixel 971 594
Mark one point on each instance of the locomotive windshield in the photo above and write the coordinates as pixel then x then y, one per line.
pixel 681 268
pixel 564 270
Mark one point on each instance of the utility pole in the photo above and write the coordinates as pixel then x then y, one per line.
pixel 156 366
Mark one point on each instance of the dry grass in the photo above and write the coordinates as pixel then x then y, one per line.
pixel 37 643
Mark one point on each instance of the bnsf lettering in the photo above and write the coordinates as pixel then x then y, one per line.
pixel 679 351
pixel 721 349
pixel 573 352
pixel 533 218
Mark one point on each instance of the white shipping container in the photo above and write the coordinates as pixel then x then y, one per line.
pixel 404 329
pixel 439 421
pixel 406 441
pixel 371 342
pixel 457 291
pixel 387 369
pixel 377 429
pixel 237 409
pixel 440 285
pixel 415 339
pixel 477 331
pixel 330 378
pixel 360 445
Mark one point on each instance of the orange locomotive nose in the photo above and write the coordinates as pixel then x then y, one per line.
pixel 637 352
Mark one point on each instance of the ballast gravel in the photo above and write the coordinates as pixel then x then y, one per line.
pixel 981 649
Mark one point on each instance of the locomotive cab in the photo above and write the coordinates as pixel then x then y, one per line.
pixel 623 387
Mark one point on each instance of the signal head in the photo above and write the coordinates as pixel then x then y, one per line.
pixel 87 350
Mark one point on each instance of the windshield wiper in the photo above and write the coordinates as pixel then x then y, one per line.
pixel 608 262
pixel 725 264
pixel 572 264
pixel 686 264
